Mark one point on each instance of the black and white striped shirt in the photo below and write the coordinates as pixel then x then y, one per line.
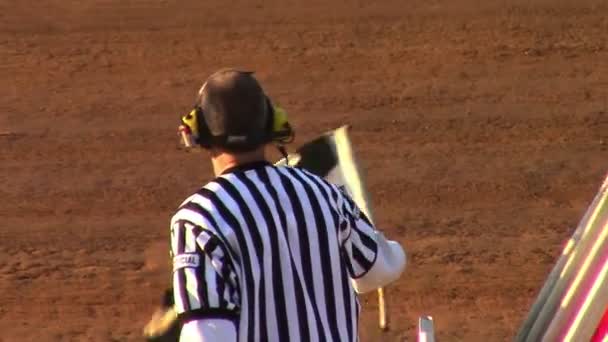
pixel 274 249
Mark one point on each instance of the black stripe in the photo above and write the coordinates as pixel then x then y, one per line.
pixel 196 230
pixel 346 298
pixel 364 217
pixel 201 274
pixel 349 202
pixel 343 225
pixel 181 275
pixel 324 255
pixel 281 305
pixel 222 276
pixel 305 250
pixel 365 239
pixel 215 253
pixel 208 313
pixel 212 243
pixel 353 206
pixel 335 194
pixel 347 261
pixel 231 220
pixel 350 207
pixel 225 246
pixel 322 187
pixel 297 187
pixel 258 252
pixel 361 260
pixel 228 270
pixel 344 280
pixel 275 260
pixel 220 285
pixel 304 330
pixel 201 286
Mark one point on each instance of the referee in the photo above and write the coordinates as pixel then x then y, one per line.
pixel 266 253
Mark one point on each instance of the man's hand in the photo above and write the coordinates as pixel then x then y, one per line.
pixel 163 326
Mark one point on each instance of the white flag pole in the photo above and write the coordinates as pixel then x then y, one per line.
pixel 352 173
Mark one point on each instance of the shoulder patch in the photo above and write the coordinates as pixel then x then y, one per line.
pixel 186 260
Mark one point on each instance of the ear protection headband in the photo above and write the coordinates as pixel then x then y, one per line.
pixel 195 131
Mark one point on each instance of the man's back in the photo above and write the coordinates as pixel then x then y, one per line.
pixel 274 249
pixel 265 253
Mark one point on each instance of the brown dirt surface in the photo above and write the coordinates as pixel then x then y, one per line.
pixel 481 125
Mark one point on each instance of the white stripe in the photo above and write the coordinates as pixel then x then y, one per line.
pixel 197 218
pixel 356 239
pixel 202 239
pixel 334 254
pixel 191 278
pixel 314 248
pixel 337 262
pixel 262 228
pixel 179 304
pixel 290 247
pixel 193 216
pixel 187 200
pixel 192 287
pixel 285 262
pixel 174 236
pixel 211 277
pixel 255 267
pixel 342 235
pixel 190 246
pixel 294 243
pixel 227 295
pixel 200 220
pixel 357 269
pixel 177 284
pixel 216 265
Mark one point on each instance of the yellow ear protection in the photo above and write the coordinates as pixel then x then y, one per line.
pixel 194 131
pixel 280 131
pixel 188 129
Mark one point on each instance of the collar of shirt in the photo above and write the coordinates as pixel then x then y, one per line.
pixel 247 166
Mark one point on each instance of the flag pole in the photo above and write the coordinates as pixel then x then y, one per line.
pixel 352 172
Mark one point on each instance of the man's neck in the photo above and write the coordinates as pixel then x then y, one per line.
pixel 223 161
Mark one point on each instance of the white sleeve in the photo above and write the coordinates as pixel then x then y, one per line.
pixel 371 259
pixel 208 330
pixel 388 266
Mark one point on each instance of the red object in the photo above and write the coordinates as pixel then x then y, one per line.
pixel 602 329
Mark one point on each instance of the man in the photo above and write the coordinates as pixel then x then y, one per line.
pixel 265 253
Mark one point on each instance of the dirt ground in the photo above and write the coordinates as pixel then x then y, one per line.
pixel 482 127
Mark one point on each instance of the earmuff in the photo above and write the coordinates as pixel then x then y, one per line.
pixel 195 131
pixel 280 131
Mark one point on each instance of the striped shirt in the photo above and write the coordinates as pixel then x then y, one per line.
pixel 274 249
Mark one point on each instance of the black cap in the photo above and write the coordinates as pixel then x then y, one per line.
pixel 235 107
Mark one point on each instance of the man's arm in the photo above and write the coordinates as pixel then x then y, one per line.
pixel 372 260
pixel 390 263
pixel 208 330
pixel 205 286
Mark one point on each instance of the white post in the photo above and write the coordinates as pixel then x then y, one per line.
pixel 352 173
pixel 426 329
